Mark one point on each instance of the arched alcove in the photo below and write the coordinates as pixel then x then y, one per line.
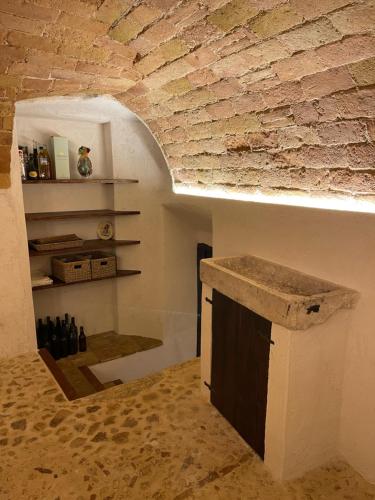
pixel 161 302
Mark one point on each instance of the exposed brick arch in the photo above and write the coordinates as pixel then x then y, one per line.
pixel 272 95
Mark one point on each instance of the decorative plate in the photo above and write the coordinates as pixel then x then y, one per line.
pixel 105 230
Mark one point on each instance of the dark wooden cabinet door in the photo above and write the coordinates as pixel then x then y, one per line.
pixel 239 371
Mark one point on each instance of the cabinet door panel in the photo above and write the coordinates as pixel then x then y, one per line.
pixel 239 375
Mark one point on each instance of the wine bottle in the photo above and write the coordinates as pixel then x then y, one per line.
pixel 67 320
pixel 64 343
pixel 73 338
pixel 58 326
pixel 82 340
pixel 55 343
pixel 32 170
pixel 46 341
pixel 49 327
pixel 40 337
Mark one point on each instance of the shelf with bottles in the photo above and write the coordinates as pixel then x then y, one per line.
pixel 38 168
pixel 60 338
pixel 36 165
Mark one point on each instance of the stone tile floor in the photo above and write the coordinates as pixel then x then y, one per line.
pixel 151 439
pixel 100 348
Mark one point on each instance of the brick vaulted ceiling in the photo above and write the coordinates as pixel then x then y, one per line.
pixel 246 95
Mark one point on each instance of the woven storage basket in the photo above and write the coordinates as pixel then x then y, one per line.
pixel 72 268
pixel 103 265
pixel 56 242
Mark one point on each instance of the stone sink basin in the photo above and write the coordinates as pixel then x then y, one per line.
pixel 282 295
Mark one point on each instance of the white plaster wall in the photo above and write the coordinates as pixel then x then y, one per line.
pixel 277 401
pixel 183 229
pixel 136 155
pixel 305 395
pixel 17 330
pixel 161 302
pixel 337 246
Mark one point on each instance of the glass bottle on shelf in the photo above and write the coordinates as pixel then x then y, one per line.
pixel 44 163
pixel 32 171
pixel 24 158
pixel 40 335
pixel 73 338
pixel 55 344
pixel 64 345
pixel 82 340
pixel 58 326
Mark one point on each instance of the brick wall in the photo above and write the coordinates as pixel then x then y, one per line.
pixel 273 95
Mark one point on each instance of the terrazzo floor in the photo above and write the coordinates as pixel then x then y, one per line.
pixel 150 439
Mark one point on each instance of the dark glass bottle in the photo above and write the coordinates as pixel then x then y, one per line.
pixel 47 339
pixel 64 342
pixel 67 320
pixel 82 340
pixel 55 342
pixel 49 327
pixel 35 156
pixel 73 338
pixel 32 170
pixel 58 327
pixel 40 337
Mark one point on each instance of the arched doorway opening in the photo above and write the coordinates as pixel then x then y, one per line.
pixel 159 303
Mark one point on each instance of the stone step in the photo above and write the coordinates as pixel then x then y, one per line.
pixel 75 381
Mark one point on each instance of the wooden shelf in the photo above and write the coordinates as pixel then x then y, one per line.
pixel 58 283
pixel 88 246
pixel 77 214
pixel 82 181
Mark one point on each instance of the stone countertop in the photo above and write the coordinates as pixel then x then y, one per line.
pixel 152 439
pixel 280 294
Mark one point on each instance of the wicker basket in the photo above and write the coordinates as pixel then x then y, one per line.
pixel 103 265
pixel 72 268
pixel 56 242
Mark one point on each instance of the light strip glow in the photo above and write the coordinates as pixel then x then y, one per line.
pixel 348 204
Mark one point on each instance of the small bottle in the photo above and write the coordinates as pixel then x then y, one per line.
pixel 35 154
pixel 44 163
pixel 40 336
pixel 32 171
pixel 64 343
pixel 24 158
pixel 73 338
pixel 82 340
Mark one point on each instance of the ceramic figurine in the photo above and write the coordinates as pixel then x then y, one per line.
pixel 84 163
